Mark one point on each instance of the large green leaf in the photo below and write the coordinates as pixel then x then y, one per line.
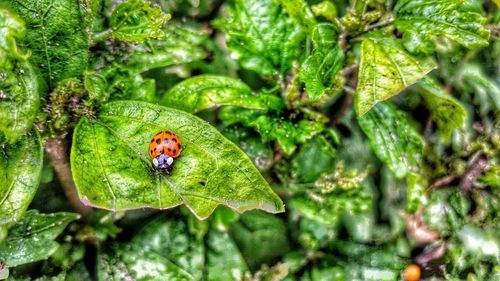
pixel 55 35
pixel 385 70
pixel 136 20
pixel 21 167
pixel 32 239
pixel 112 170
pixel 320 69
pixel 393 139
pixel 421 20
pixel 206 91
pixel 448 113
pixel 261 36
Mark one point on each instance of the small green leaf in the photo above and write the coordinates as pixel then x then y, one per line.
pixel 112 169
pixel 393 139
pixel 136 21
pixel 261 36
pixel 11 29
pixel 325 9
pixel 206 91
pixel 320 69
pixel 32 239
pixel 422 20
pixel 21 165
pixel 223 257
pixel 385 70
pixel 415 194
pixel 19 99
pixel 258 228
pixel 55 35
pixel 326 209
pixel 317 156
pixel 287 134
pixel 181 44
pixel 299 10
pixel 448 113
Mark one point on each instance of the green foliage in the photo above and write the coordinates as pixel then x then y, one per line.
pixel 19 89
pixel 384 70
pixel 261 36
pixel 112 169
pixel 136 21
pixel 207 91
pixel 21 166
pixel 423 20
pixel 320 69
pixel 281 107
pixel 55 36
pixel 32 238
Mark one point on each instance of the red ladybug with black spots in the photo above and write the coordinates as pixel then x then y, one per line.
pixel 164 147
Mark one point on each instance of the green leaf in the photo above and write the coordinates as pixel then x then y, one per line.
pixel 393 139
pixel 261 36
pixel 385 70
pixel 171 240
pixel 340 179
pixel 175 252
pixel 136 21
pixel 223 257
pixel 317 156
pixel 32 239
pixel 326 209
pixel 299 10
pixel 112 169
pixel 448 113
pixel 268 232
pixel 320 69
pixel 287 134
pixel 422 20
pixel 19 99
pixel 55 35
pixel 206 91
pixel 21 165
pixel 11 29
pixel 181 44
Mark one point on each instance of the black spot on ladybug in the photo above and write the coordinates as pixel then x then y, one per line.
pixel 179 146
pixel 152 140
pixel 166 141
pixel 151 151
pixel 167 132
pixel 174 151
pixel 174 140
pixel 158 141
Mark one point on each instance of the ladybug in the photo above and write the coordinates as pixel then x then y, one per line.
pixel 163 148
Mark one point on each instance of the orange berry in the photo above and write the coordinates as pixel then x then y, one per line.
pixel 412 273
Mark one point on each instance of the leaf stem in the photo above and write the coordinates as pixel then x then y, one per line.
pixel 378 25
pixel 101 36
pixel 57 151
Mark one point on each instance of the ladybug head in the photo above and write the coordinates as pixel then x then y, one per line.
pixel 163 163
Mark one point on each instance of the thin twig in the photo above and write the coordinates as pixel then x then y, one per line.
pixel 472 174
pixel 378 25
pixel 56 149
pixel 435 253
pixel 440 183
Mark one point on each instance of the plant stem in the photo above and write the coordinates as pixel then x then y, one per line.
pixel 101 36
pixel 475 170
pixel 57 151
